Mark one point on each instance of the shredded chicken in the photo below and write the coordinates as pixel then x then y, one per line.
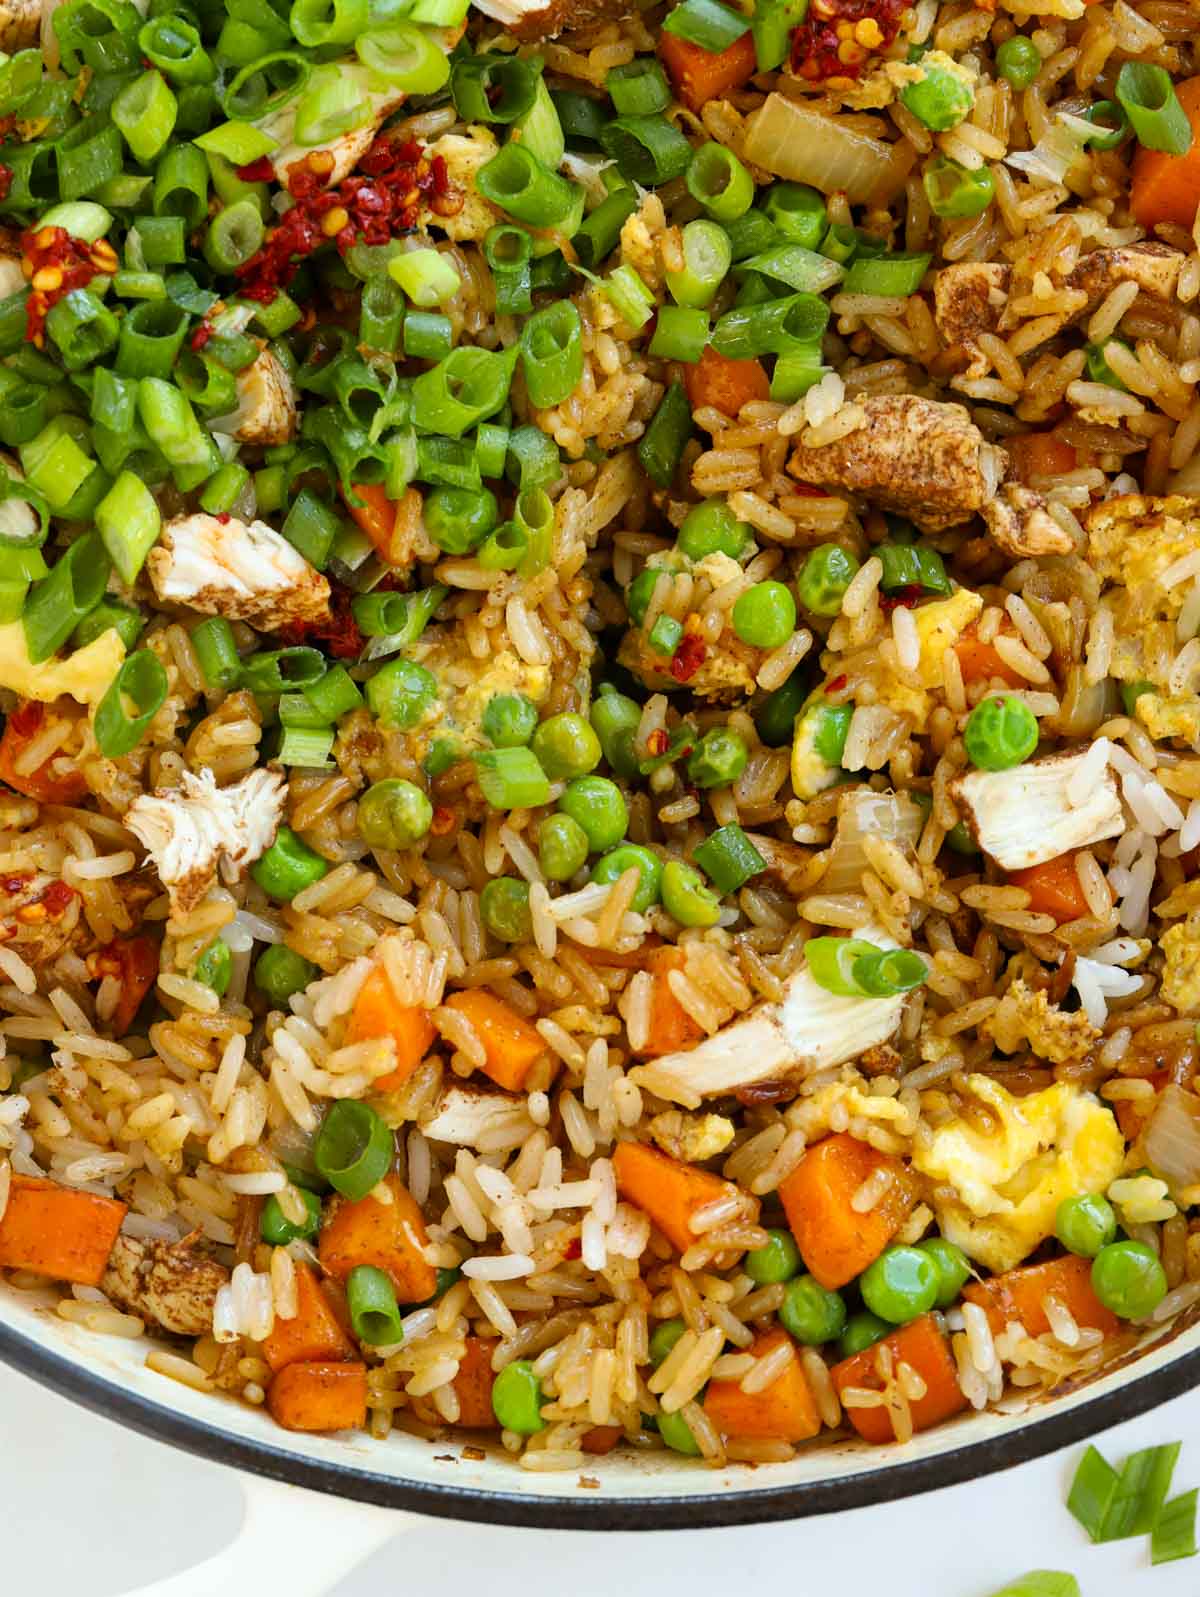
pixel 1024 816
pixel 266 412
pixel 245 572
pixel 192 831
pixel 534 20
pixel 462 1115
pixel 1019 522
pixel 968 299
pixel 172 1285
pixel 1153 267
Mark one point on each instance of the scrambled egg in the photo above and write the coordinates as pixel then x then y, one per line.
pixel 465 688
pixel 464 155
pixel 812 773
pixel 86 675
pixel 1133 539
pixel 691 1138
pixel 1027 1015
pixel 939 625
pixel 1170 718
pixel 1008 1184
pixel 1181 973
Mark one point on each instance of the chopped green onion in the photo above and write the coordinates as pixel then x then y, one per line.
pixel 57 604
pixel 143 679
pixel 629 296
pixel 174 46
pixel 354 1148
pixel 771 329
pixel 108 616
pixel 81 218
pixel 1174 1534
pixel 400 617
pixel 152 334
pixel 128 520
pixel 333 695
pixel 82 329
pixel 145 112
pixel 662 444
pixel 278 670
pixel 772 25
pixel 427 277
pixel 508 251
pixel 216 654
pixel 1148 97
pixel 708 23
pixel 371 1301
pixel 306 746
pixel 581 117
pixel 465 388
pixel 717 180
pixel 224 488
pixel 637 88
pixel 331 106
pixel 648 150
pixel 511 779
pixel 1141 1491
pixel 239 142
pixel 504 549
pixel 234 235
pixel 516 181
pixel 1111 122
pixel 796 372
pixel 803 270
pixel 1092 1493
pixel 706 260
pixel 494 87
pixel 892 276
pixel 598 236
pixel 728 858
pixel 539 130
pixel 1042 1583
pixel 552 354
pixel 405 57
pixel 680 333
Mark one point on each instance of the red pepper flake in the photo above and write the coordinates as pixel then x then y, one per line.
pixel 6 178
pixel 837 37
pixel 340 633
pixel 201 336
pixel 688 657
pixel 658 742
pixel 902 599
pixel 57 899
pixel 808 490
pixel 574 1249
pixel 223 517
pixel 260 171
pixel 56 264
pixel 27 718
pixel 837 684
pixel 444 821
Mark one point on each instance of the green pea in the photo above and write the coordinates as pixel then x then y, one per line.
pixel 566 746
pixel 941 99
pixel 598 807
pixel 960 840
pixel 215 966
pixel 1000 733
pixel 712 528
pixel 618 860
pixel 278 972
pixel 517 1398
pixel 824 578
pixel 562 847
pixel 901 1284
pixel 401 693
pixel 394 814
pixel 663 1339
pixel 718 758
pixel 952 1266
pixel 509 720
pixel 278 1230
pixel 1085 1223
pixel 862 1331
pixel 687 897
pixel 459 519
pixel 288 866
pixel 765 615
pixel 1098 369
pixel 1128 1279
pixel 504 905
pixel 1019 60
pixel 615 719
pixel 810 1312
pixel 639 592
pixel 775 718
pixel 676 1433
pixel 778 1261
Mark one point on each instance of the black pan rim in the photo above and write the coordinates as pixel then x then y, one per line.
pixel 584 1510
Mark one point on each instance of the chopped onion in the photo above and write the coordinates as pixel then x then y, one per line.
pixel 798 144
pixel 1172 1137
pixel 1056 152
pixel 889 815
pixel 19 521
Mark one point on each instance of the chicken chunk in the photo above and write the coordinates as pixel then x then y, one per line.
pixel 534 20
pixel 20 27
pixel 808 1030
pixel 464 155
pixel 245 572
pixel 968 299
pixel 919 457
pixel 1026 815
pixel 1153 267
pixel 1133 539
pixel 172 1285
pixel 462 1115
pixel 787 863
pixel 349 148
pixel 266 412
pixel 1020 524
pixel 192 831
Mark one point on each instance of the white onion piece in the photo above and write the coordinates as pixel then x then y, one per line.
pixel 798 144
pixel 1172 1137
pixel 19 521
pixel 890 815
pixel 1056 152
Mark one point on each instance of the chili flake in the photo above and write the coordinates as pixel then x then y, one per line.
pixel 837 36
pixel 688 657
pixel 56 263
pixel 340 633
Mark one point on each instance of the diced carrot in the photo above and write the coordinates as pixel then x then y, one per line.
pixel 473 1386
pixel 786 1409
pixel 723 383
pixel 1021 1295
pixel 979 662
pixel 134 962
pixel 1053 888
pixel 1040 455
pixel 1166 188
pixel 54 1231
pixel 319 1397
pixel 379 1013
pixel 375 513
pixel 668 1191
pixel 924 1349
pixel 511 1044
pixel 838 1242
pixel 24 724
pixel 601 1439
pixel 391 1236
pixel 702 75
pixel 671 1027
pixel 314 1334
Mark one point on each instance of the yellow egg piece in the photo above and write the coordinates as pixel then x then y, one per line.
pixel 84 675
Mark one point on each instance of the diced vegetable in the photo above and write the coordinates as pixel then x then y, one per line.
pixel 671 1027
pixel 56 1232
pixel 979 662
pixel 924 1349
pixel 511 1044
pixel 319 1397
pixel 1166 188
pixel 837 1242
pixel 698 75
pixel 136 968
pixel 473 1386
pixel 314 1334
pixel 391 1236
pixel 786 1409
pixel 379 1013
pixel 788 139
pixel 1053 888
pixel 668 1191
pixel 1172 1139
pixel 1021 1295
pixel 1040 455
pixel 725 384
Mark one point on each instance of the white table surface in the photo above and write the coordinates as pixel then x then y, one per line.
pixel 88 1507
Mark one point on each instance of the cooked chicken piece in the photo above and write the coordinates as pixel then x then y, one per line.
pixel 192 830
pixel 20 27
pixel 1019 522
pixel 464 155
pixel 462 1115
pixel 1133 539
pixel 691 1138
pixel 346 150
pixel 968 299
pixel 919 457
pixel 1024 816
pixel 534 20
pixel 247 573
pixel 1153 267
pixel 809 1030
pixel 173 1285
pixel 266 412
pixel 787 863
